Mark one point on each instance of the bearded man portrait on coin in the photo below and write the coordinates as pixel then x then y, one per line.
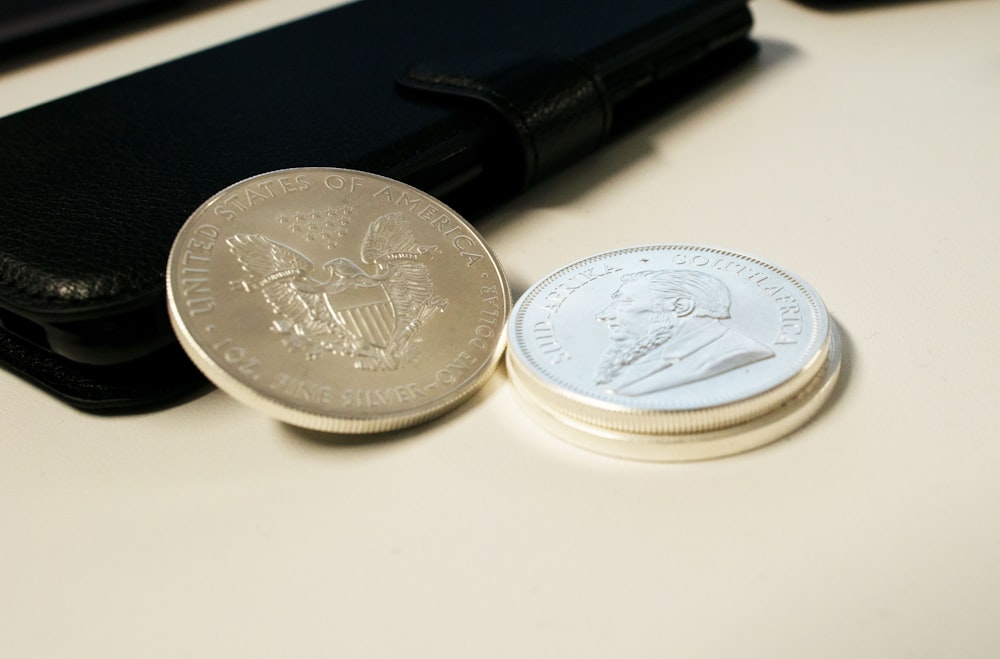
pixel 666 330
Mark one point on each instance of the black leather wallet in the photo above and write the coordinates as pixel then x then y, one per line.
pixel 469 101
pixel 28 23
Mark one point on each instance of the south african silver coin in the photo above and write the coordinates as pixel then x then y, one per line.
pixel 670 344
pixel 337 300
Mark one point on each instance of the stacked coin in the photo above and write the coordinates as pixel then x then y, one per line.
pixel 672 352
pixel 337 300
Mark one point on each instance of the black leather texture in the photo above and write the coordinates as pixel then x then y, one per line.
pixel 154 381
pixel 94 186
pixel 558 111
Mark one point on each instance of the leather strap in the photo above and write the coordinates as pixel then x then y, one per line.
pixel 558 111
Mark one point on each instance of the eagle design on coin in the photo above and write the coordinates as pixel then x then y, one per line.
pixel 371 312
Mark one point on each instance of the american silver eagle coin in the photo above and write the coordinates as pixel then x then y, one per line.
pixel 672 352
pixel 337 300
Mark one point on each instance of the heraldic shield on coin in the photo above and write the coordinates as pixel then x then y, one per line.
pixel 337 300
pixel 672 352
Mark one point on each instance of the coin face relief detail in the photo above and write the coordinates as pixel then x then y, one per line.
pixel 337 300
pixel 372 316
pixel 669 346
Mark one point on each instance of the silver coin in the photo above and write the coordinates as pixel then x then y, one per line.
pixel 672 352
pixel 337 300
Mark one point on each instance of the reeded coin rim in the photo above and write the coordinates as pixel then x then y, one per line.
pixel 759 431
pixel 343 424
pixel 573 402
pixel 334 422
pixel 579 407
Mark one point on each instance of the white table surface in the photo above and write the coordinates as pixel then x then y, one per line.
pixel 861 151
